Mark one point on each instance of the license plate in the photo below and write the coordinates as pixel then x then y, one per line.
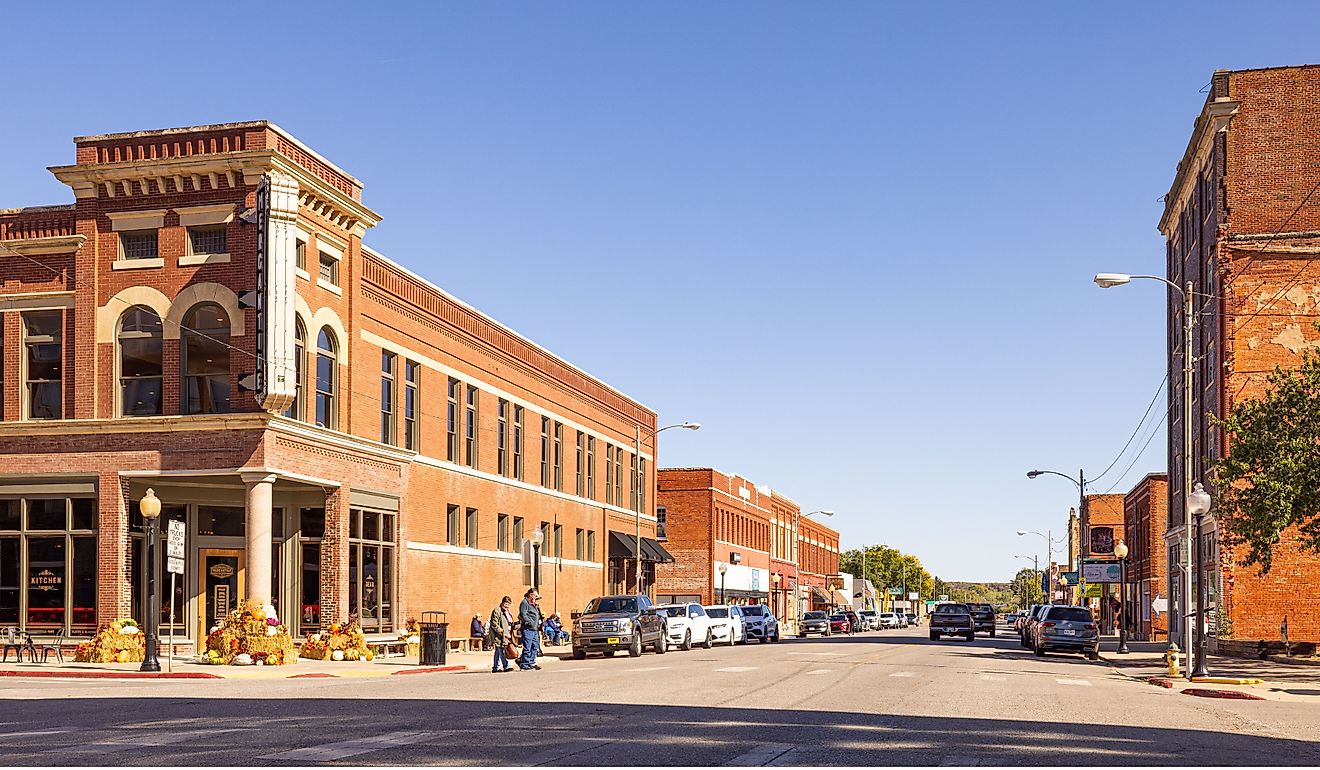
pixel 1069 632
pixel 612 640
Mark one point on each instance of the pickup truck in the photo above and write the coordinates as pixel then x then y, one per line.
pixel 952 620
pixel 983 617
pixel 613 623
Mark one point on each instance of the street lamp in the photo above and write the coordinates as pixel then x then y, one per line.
pixel 1121 551
pixel 1035 569
pixel 1105 281
pixel 538 537
pixel 637 458
pixel 797 563
pixel 1080 482
pixel 1198 505
pixel 149 507
pixel 723 569
pixel 1049 548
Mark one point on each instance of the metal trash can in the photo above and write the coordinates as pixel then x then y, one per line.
pixel 434 632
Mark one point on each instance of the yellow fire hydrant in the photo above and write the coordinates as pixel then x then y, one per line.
pixel 1171 660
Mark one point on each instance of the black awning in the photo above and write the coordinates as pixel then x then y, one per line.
pixel 739 594
pixel 657 552
pixel 623 546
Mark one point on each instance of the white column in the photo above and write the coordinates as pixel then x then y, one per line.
pixel 260 489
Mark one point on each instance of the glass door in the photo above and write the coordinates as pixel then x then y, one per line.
pixel 222 586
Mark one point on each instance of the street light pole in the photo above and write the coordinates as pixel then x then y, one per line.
pixel 149 507
pixel 723 569
pixel 638 482
pixel 797 564
pixel 1121 551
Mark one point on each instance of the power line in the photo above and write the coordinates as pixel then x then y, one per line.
pixel 1139 455
pixel 1158 390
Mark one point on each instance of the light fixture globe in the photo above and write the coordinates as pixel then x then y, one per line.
pixel 1198 502
pixel 149 506
pixel 538 536
pixel 724 568
pixel 1108 280
pixel 1121 550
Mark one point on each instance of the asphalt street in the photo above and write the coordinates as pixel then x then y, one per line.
pixel 881 698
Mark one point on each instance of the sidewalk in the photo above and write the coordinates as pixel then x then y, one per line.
pixel 186 668
pixel 1145 661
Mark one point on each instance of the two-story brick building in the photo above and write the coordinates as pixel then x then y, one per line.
pixel 338 434
pixel 1101 526
pixel 1145 515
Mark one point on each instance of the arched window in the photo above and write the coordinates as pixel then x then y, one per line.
pixel 297 409
pixel 327 379
pixel 204 350
pixel 140 367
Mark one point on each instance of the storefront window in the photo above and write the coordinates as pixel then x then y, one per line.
pixel 48 561
pixel 311 528
pixel 371 569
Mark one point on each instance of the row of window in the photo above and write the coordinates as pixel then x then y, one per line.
pixel 202 240
pixel 741 530
pixel 463 528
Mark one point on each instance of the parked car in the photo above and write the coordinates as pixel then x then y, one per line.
pixel 689 623
pixel 814 622
pixel 983 617
pixel 912 620
pixel 760 623
pixel 889 620
pixel 1063 628
pixel 622 622
pixel 870 620
pixel 1023 616
pixel 733 629
pixel 952 620
pixel 839 624
pixel 1028 625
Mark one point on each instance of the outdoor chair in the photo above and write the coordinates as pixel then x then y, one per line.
pixel 46 648
pixel 18 641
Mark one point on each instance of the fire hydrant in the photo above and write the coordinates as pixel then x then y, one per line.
pixel 1171 660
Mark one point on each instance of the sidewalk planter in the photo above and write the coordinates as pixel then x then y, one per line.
pixel 119 642
pixel 341 641
pixel 253 636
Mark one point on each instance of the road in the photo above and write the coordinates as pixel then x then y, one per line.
pixel 883 698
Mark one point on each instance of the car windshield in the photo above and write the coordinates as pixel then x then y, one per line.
pixel 840 616
pixel 1074 614
pixel 813 615
pixel 981 608
pixel 717 612
pixel 674 612
pixel 753 611
pixel 952 609
pixel 612 604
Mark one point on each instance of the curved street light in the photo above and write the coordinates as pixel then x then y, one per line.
pixel 637 459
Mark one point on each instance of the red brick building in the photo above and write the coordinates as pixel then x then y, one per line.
pixel 1101 527
pixel 1145 516
pixel 338 434
pixel 715 519
pixel 1240 230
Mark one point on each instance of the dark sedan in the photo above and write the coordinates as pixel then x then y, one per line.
pixel 814 622
pixel 952 620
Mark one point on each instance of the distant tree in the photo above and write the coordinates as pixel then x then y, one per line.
pixel 1270 479
pixel 1026 587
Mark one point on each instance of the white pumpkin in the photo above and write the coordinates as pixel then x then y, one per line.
pixel 129 630
pixel 414 639
pixel 272 630
pixel 243 659
pixel 337 655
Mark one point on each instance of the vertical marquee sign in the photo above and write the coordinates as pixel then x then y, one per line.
pixel 277 217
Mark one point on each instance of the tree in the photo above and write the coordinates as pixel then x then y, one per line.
pixel 1270 479
pixel 1026 587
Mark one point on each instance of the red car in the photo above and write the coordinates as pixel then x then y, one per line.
pixel 839 624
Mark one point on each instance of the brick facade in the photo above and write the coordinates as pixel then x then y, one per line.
pixel 1101 526
pixel 1145 517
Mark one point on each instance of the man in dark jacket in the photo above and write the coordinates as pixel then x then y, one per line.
pixel 529 620
pixel 478 633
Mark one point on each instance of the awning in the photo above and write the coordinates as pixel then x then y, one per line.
pixel 739 594
pixel 841 599
pixel 622 546
pixel 818 594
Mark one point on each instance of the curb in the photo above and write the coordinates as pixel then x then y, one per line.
pixel 430 670
pixel 108 675
pixel 1160 681
pixel 1227 694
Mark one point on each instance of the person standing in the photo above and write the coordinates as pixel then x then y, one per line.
pixel 499 633
pixel 529 616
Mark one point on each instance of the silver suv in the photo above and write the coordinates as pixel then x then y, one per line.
pixel 759 623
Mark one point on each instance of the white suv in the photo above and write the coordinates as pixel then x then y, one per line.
pixel 733 629
pixel 689 623
pixel 890 620
pixel 759 623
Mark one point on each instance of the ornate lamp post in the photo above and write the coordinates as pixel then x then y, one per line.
pixel 723 569
pixel 149 507
pixel 1198 505
pixel 538 537
pixel 1121 551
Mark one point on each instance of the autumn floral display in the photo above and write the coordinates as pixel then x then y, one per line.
pixel 251 636
pixel 119 642
pixel 411 636
pixel 341 641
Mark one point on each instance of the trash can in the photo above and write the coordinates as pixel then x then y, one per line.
pixel 434 632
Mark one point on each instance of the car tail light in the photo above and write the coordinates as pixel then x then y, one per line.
pixel 1047 628
pixel 1089 627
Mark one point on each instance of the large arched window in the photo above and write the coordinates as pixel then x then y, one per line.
pixel 327 380
pixel 140 367
pixel 297 409
pixel 204 351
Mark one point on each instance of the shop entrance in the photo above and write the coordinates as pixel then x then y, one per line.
pixel 222 586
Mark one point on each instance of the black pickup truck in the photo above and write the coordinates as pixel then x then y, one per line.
pixel 983 617
pixel 952 620
pixel 614 623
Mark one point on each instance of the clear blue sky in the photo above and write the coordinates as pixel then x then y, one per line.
pixel 854 240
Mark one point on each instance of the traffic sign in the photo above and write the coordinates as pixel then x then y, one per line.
pixel 174 540
pixel 174 564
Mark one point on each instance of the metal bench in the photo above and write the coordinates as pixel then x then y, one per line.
pixel 386 645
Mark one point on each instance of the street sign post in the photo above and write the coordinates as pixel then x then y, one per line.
pixel 174 544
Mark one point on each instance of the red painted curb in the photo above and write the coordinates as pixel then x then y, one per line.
pixel 1227 694
pixel 109 675
pixel 1160 681
pixel 313 676
pixel 432 670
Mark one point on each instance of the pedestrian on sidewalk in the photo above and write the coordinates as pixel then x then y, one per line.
pixel 478 633
pixel 529 618
pixel 499 634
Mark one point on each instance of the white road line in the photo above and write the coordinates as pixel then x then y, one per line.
pixel 30 733
pixel 1075 682
pixel 138 741
pixel 904 674
pixel 736 669
pixel 558 670
pixel 955 761
pixel 760 755
pixel 650 668
pixel 993 678
pixel 820 671
pixel 815 653
pixel 330 752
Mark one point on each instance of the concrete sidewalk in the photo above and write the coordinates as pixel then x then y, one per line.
pixel 1145 661
pixel 187 668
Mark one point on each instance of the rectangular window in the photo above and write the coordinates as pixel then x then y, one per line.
pixel 578 479
pixel 591 467
pixel 516 545
pixel 502 532
pixel 411 375
pixel 609 474
pixel 559 541
pixel 580 545
pixel 138 244
pixel 454 524
pixel 591 545
pixel 641 485
pixel 518 442
pixel 471 528
pixel 559 456
pixel 545 451
pixel 329 270
pixel 451 422
pixel 545 539
pixel 632 483
pixel 388 365
pixel 470 428
pixel 502 438
pixel 210 239
pixel 618 476
pixel 300 254
pixel 43 340
pixel 371 569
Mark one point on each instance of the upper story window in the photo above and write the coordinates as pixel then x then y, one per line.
pixel 609 474
pixel 411 382
pixel 140 362
pixel 204 351
pixel 502 437
pixel 327 379
pixel 451 421
pixel 389 364
pixel 139 244
pixel 559 456
pixel 300 254
pixel 329 270
pixel 470 428
pixel 43 341
pixel 545 451
pixel 591 467
pixel 297 409
pixel 518 442
pixel 208 239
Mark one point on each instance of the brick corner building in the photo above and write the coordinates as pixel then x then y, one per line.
pixel 1145 518
pixel 1101 525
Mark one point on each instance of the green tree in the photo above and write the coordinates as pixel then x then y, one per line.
pixel 1026 587
pixel 1270 479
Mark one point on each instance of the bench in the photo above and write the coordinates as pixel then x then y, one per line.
pixel 386 645
pixel 460 644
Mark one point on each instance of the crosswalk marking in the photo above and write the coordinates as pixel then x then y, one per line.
pixel 904 674
pixel 736 669
pixel 650 668
pixel 330 752
pixel 558 670
pixel 760 755
pixel 1075 682
pixel 819 671
pixel 815 653
pixel 139 741
pixel 993 678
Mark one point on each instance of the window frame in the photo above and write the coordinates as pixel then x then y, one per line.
pixel 190 244
pixel 152 233
pixel 327 268
pixel 471 415
pixel 411 393
pixel 389 397
pixel 30 341
pixel 121 379
pixel 330 395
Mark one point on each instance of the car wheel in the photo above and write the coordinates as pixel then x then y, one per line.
pixel 579 653
pixel 661 645
pixel 687 640
pixel 1040 651
pixel 776 639
pixel 934 637
pixel 635 649
pixel 992 633
pixel 970 636
pixel 710 640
